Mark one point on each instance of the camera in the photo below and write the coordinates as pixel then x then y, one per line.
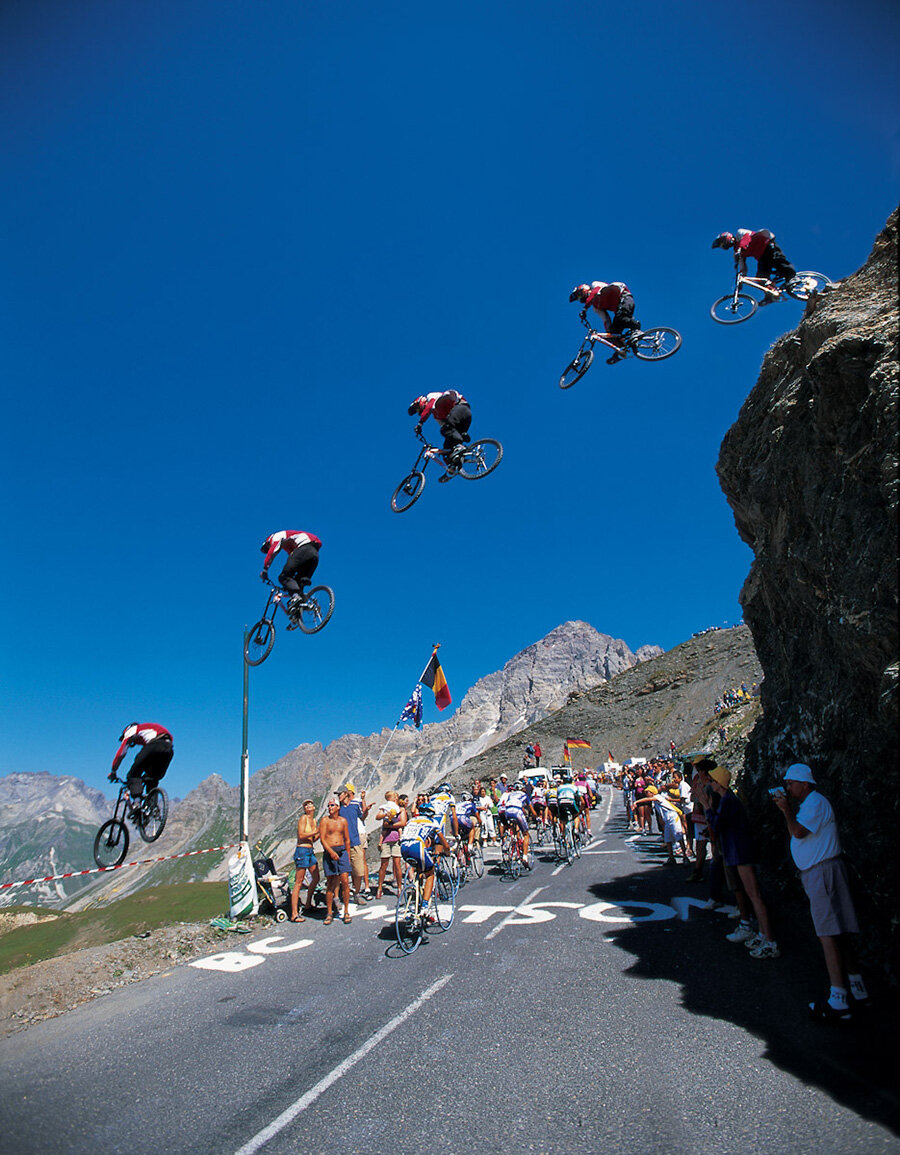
pixel 776 792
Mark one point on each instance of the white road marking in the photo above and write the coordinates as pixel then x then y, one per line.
pixel 339 1071
pixel 509 917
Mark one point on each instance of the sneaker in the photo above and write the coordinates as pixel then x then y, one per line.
pixel 824 1012
pixel 753 943
pixel 765 950
pixel 295 601
pixel 711 904
pixel 362 898
pixel 741 933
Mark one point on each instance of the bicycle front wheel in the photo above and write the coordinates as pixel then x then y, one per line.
pixel 316 610
pixel 259 643
pixel 576 369
pixel 408 491
pixel 481 458
pixel 450 863
pixel 111 843
pixel 656 344
pixel 477 860
pixel 153 814
pixel 805 284
pixel 443 898
pixel 732 310
pixel 407 923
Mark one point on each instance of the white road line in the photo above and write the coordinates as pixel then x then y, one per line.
pixel 339 1071
pixel 501 925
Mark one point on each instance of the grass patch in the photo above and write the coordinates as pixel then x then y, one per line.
pixel 146 910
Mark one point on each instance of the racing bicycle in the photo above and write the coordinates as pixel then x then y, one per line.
pixel 471 860
pixel 646 344
pixel 413 916
pixel 739 306
pixel 310 615
pixel 148 813
pixel 479 458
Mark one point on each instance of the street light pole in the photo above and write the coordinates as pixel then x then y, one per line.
pixel 245 753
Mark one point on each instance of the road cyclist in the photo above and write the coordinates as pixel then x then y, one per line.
pixel 419 904
pixel 468 846
pixel 514 809
pixel 567 804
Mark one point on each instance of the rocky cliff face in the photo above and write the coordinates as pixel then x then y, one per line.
pixel 810 470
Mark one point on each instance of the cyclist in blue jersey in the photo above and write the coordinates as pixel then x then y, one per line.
pixel 419 837
pixel 516 807
pixel 467 819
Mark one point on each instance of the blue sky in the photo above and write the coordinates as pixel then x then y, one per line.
pixel 237 238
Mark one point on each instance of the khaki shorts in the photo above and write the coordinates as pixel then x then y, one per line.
pixel 390 850
pixel 358 860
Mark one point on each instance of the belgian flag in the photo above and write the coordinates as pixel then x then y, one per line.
pixel 434 679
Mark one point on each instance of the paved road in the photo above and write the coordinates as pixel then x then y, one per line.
pixel 581 1009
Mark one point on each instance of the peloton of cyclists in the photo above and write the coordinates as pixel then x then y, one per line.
pixel 302 549
pixel 772 266
pixel 451 410
pixel 152 760
pixel 605 298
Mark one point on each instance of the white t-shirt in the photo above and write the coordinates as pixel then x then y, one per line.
pixel 823 841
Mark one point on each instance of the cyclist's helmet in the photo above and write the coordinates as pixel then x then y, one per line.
pixel 579 292
pixel 127 728
pixel 416 406
pixel 467 797
pixel 264 548
pixel 445 788
pixel 723 241
pixel 426 810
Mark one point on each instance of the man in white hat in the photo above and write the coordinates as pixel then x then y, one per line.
pixel 816 850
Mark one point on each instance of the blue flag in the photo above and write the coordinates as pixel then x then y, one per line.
pixel 412 711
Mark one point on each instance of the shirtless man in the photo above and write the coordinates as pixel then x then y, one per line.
pixel 305 859
pixel 335 838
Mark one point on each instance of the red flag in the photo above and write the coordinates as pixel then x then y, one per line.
pixel 434 679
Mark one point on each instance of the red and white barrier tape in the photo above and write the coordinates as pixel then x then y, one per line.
pixel 104 869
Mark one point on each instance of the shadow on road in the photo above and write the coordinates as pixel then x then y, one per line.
pixel 855 1064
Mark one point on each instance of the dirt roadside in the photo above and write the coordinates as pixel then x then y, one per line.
pixel 55 986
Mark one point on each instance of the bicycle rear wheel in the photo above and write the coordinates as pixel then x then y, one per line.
pixel 450 863
pixel 151 820
pixel 408 925
pixel 443 897
pixel 477 860
pixel 481 458
pixel 259 643
pixel 805 284
pixel 408 491
pixel 576 369
pixel 316 610
pixel 732 310
pixel 111 843
pixel 656 344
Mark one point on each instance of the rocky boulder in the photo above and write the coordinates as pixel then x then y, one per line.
pixel 810 470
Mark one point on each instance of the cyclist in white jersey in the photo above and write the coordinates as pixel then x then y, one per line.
pixel 516 807
pixel 444 804
pixel 567 804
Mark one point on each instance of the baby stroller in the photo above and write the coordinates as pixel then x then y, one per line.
pixel 273 888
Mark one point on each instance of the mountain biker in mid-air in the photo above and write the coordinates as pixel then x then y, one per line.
pixel 452 411
pixel 604 299
pixel 772 266
pixel 152 760
pixel 303 557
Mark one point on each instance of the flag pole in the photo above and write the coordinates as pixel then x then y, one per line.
pixel 436 647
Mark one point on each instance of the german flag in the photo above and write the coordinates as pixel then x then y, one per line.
pixel 434 679
pixel 577 744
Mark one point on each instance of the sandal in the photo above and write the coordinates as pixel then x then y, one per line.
pixel 298 918
pixel 347 918
pixel 328 919
pixel 824 1012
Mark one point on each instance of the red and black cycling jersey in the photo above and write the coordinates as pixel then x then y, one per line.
pixel 288 540
pixel 139 734
pixel 752 244
pixel 440 405
pixel 608 297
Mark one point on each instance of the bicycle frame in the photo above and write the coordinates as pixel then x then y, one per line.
pixel 427 453
pixel 594 336
pixel 130 807
pixel 277 597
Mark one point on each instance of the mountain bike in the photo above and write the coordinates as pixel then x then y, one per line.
pixel 738 306
pixel 412 915
pixel 478 459
pixel 148 813
pixel 310 615
pixel 646 344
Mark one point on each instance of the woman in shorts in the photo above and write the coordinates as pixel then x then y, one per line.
pixel 305 859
